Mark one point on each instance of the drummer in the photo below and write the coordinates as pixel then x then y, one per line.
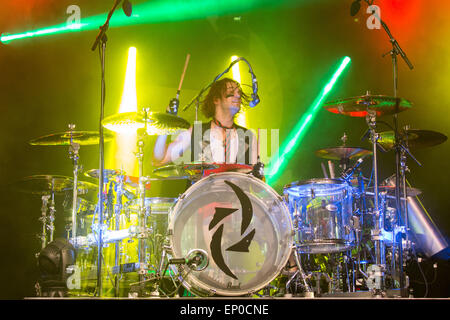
pixel 220 140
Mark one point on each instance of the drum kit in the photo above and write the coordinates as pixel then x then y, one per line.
pixel 230 233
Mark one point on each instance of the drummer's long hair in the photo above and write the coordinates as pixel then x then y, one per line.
pixel 218 90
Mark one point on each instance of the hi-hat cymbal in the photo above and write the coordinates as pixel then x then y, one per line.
pixel 48 184
pixel 359 106
pixel 157 123
pixel 343 152
pixel 107 173
pixel 65 138
pixel 417 139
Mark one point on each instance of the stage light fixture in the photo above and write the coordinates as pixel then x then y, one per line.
pixel 53 261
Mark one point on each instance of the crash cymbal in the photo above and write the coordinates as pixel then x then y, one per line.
pixel 47 184
pixel 359 106
pixel 390 190
pixel 417 139
pixel 157 123
pixel 64 138
pixel 343 152
pixel 184 171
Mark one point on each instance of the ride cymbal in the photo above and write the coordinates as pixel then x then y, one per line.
pixel 361 105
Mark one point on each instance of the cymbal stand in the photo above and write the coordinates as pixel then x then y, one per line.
pixel 402 224
pixel 52 211
pixel 43 219
pixel 397 50
pixel 142 230
pixel 73 154
pixel 117 211
pixel 377 232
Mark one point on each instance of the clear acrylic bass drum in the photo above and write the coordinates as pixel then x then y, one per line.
pixel 242 224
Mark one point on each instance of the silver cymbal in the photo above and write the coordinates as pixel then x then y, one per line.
pixel 51 184
pixel 360 106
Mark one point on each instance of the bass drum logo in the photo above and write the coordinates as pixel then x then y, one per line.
pixel 243 244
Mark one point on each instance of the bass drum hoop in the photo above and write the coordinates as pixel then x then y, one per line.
pixel 185 275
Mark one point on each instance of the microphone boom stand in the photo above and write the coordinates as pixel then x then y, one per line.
pixel 101 38
pixel 397 50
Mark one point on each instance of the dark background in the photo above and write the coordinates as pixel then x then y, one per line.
pixel 293 46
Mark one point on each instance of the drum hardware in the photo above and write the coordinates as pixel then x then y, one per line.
pixel 300 275
pixel 114 181
pixel 399 176
pixel 74 155
pixel 48 186
pixel 117 211
pixel 141 133
pixel 47 221
pixel 380 259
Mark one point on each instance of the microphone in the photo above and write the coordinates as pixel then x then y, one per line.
pixel 127 8
pixel 255 97
pixel 354 9
pixel 349 172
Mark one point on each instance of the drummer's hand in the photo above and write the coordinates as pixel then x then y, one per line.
pixel 172 108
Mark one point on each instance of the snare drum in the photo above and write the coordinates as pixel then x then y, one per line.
pixel 243 225
pixel 322 213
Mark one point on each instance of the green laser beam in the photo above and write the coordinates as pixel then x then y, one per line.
pixel 158 11
pixel 279 163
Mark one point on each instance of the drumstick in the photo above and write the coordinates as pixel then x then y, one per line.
pixel 182 75
pixel 331 167
pixel 324 170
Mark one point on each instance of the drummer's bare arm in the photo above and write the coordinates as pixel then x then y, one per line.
pixel 163 154
pixel 254 150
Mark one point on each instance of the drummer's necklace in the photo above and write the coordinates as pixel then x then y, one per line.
pixel 227 138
